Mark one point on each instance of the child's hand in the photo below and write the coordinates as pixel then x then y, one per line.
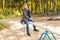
pixel 31 19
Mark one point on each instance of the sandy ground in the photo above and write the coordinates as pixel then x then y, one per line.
pixel 17 31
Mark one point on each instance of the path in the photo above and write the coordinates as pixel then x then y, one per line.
pixel 17 31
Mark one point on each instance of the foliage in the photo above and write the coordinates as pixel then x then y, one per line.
pixel 8 13
pixel 3 25
pixel 13 8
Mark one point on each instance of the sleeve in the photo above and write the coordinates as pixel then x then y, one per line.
pixel 30 13
pixel 25 14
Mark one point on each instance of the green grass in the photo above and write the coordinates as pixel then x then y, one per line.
pixel 3 25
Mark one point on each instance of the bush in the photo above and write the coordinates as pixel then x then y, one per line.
pixel 1 16
pixel 3 25
pixel 8 13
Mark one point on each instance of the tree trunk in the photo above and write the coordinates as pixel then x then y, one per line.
pixel 42 7
pixel 3 4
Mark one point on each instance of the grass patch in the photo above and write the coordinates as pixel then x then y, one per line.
pixel 3 25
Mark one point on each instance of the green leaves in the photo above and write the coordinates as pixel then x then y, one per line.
pixel 3 25
pixel 36 6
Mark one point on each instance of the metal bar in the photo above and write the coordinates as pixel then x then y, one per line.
pixel 53 36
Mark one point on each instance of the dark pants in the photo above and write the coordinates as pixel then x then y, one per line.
pixel 27 25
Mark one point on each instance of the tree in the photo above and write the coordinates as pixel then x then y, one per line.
pixel 3 4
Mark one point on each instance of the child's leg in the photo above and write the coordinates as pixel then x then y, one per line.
pixel 27 27
pixel 34 26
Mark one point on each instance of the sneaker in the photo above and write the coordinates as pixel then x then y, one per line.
pixel 35 30
pixel 28 34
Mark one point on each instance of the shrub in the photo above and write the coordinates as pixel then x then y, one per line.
pixel 3 25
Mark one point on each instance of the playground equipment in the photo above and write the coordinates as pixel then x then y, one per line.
pixel 47 29
pixel 43 35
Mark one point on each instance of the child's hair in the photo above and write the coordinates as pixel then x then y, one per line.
pixel 25 3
